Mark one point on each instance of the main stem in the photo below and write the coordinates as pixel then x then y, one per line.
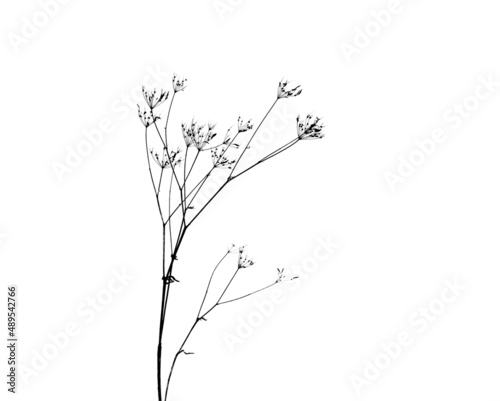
pixel 162 322
pixel 177 355
pixel 167 279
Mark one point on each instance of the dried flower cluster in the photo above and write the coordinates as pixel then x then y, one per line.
pixel 243 260
pixel 244 126
pixel 178 84
pixel 196 135
pixel 219 158
pixel 284 92
pixel 153 98
pixel 282 276
pixel 147 117
pixel 310 128
pixel 165 161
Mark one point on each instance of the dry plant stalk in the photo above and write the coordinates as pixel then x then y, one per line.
pixel 176 206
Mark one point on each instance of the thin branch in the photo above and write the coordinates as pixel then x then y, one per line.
pixel 210 281
pixel 168 154
pixel 185 163
pixel 227 286
pixel 203 317
pixel 269 156
pixel 151 175
pixel 252 293
pixel 161 138
pixel 208 202
pixel 159 182
pixel 168 117
pixel 149 161
pixel 253 135
pixel 192 166
pixel 169 221
pixel 188 195
pixel 202 182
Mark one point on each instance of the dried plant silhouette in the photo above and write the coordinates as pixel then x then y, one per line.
pixel 178 174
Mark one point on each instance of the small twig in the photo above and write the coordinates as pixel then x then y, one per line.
pixel 210 281
pixel 269 156
pixel 253 135
pixel 255 292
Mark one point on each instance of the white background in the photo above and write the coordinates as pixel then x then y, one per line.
pixel 61 239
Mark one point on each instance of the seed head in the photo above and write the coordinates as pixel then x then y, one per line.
pixel 229 140
pixel 284 92
pixel 196 135
pixel 153 98
pixel 164 161
pixel 244 126
pixel 147 117
pixel 178 84
pixel 243 260
pixel 282 276
pixel 219 158
pixel 310 128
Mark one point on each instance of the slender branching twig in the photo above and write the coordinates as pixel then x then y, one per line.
pixel 227 154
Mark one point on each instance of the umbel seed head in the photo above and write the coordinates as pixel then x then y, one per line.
pixel 196 135
pixel 243 260
pixel 285 92
pixel 178 84
pixel 147 117
pixel 310 128
pixel 153 98
pixel 244 126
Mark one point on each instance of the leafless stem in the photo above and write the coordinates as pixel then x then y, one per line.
pixel 309 129
pixel 253 135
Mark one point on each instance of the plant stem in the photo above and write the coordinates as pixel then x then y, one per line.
pixel 160 335
pixel 186 200
pixel 253 135
pixel 202 317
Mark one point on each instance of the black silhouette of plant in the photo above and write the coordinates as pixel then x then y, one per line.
pixel 176 206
